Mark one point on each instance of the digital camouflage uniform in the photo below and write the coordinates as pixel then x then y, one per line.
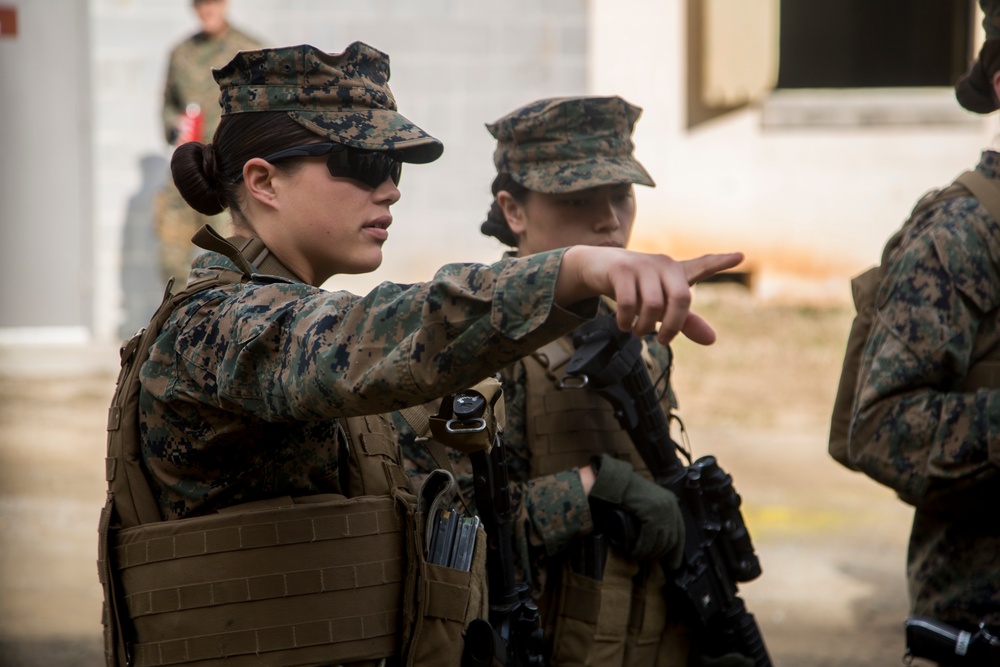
pixel 915 430
pixel 245 384
pixel 262 396
pixel 189 81
pixel 244 387
pixel 555 146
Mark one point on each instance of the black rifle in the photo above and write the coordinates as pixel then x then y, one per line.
pixel 512 635
pixel 931 639
pixel 718 552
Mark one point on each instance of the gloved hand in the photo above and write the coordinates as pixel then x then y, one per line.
pixel 661 529
pixel 727 660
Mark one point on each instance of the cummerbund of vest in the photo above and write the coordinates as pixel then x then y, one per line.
pixel 313 583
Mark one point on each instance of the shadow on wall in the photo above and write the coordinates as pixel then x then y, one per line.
pixel 142 289
pixel 53 652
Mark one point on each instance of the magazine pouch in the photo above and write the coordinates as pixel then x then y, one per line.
pixel 592 616
pixel 440 601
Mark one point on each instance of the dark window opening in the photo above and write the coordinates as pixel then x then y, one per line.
pixel 873 43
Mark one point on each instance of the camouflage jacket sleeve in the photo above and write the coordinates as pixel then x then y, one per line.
pixel 913 428
pixel 286 351
pixel 553 509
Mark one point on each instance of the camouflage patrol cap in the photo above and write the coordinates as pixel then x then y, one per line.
pixel 343 97
pixel 570 143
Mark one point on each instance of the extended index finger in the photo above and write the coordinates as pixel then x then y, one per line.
pixel 699 268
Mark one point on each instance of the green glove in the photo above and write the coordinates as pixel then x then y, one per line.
pixel 661 529
pixel 727 660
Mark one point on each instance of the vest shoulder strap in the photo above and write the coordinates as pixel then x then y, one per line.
pixel 986 190
pixel 249 254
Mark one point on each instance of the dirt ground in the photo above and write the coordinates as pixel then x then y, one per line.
pixel 831 543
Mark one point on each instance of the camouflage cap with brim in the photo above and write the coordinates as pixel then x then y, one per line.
pixel 343 97
pixel 570 143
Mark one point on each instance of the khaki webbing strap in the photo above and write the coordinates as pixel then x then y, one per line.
pixel 474 440
pixel 209 239
pixel 374 631
pixel 266 587
pixel 985 190
pixel 439 454
pixel 171 540
pixel 257 254
pixel 553 355
pixel 418 419
pixel 250 255
pixel 396 476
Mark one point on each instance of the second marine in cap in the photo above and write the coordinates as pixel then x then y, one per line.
pixel 566 172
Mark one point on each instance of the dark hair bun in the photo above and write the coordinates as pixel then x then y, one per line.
pixel 197 178
pixel 496 226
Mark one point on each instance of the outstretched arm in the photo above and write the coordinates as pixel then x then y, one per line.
pixel 647 288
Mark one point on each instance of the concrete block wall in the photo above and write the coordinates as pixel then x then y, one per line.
pixel 456 64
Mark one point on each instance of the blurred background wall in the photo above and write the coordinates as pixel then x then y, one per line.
pixel 798 132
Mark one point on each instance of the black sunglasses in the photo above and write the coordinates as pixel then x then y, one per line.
pixel 368 167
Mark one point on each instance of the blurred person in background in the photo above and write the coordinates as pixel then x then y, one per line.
pixel 191 112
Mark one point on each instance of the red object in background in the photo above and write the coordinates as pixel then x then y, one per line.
pixel 190 125
pixel 8 21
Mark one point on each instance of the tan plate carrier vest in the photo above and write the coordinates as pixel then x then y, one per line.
pixel 320 580
pixel 622 619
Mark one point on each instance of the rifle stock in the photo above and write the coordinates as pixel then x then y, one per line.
pixel 718 551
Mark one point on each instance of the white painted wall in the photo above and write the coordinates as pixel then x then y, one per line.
pixel 45 253
pixel 810 207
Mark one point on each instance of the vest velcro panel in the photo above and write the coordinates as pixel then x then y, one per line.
pixel 566 427
pixel 290 585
